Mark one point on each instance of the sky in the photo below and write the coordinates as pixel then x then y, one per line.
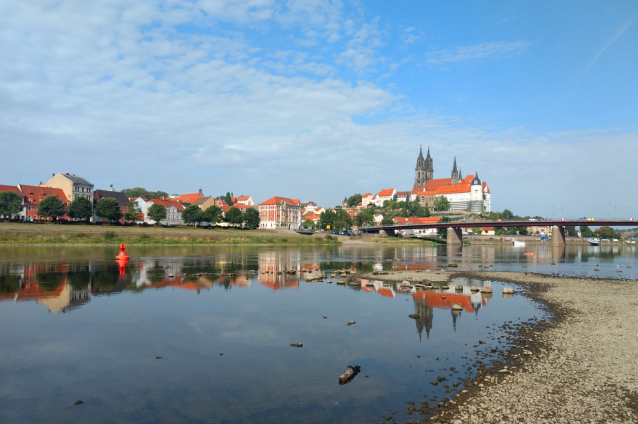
pixel 322 99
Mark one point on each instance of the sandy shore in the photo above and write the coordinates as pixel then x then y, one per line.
pixel 580 367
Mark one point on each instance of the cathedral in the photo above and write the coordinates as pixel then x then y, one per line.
pixel 464 194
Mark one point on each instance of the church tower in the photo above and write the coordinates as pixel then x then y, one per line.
pixel 455 173
pixel 424 171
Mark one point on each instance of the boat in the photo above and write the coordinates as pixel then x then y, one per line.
pixel 518 243
pixel 594 242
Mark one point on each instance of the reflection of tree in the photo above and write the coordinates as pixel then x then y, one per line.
pixel 78 280
pixel 425 314
pixel 9 283
pixel 156 275
pixel 49 281
pixel 105 280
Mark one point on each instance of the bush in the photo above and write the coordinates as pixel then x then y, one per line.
pixel 109 235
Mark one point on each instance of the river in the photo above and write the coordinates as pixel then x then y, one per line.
pixel 203 334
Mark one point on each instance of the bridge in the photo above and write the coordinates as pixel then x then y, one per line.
pixel 455 235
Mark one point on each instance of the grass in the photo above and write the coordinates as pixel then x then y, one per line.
pixel 43 234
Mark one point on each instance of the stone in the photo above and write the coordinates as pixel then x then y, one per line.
pixel 434 383
pixel 405 283
pixel 78 402
pixel 458 288
pixel 351 322
pixel 486 289
pixel 474 289
pixel 508 290
pixel 414 316
pixel 456 307
pixel 296 344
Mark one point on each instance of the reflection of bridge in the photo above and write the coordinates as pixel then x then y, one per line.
pixel 455 235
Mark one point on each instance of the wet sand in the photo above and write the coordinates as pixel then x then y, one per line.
pixel 579 367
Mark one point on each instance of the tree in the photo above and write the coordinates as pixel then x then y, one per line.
pixel 354 200
pixel 233 216
pixel 252 219
pixel 192 215
pixel 442 204
pixel 108 208
pixel 144 194
pixel 443 231
pixel 308 223
pixel 522 230
pixel 81 208
pixel 363 218
pixel 228 199
pixel 387 221
pixel 10 203
pixel 607 232
pixel 585 231
pixel 52 207
pixel 507 215
pixel 212 215
pixel 157 212
pixel 134 212
pixel 571 231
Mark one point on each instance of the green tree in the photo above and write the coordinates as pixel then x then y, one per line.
pixel 327 220
pixel 251 218
pixel 192 215
pixel 212 215
pixel 108 208
pixel 387 221
pixel 522 230
pixel 134 212
pixel 228 199
pixel 507 215
pixel 607 232
pixel 442 204
pixel 81 208
pixel 51 206
pixel 233 216
pixel 10 203
pixel 308 223
pixel 157 212
pixel 442 232
pixel 571 231
pixel 364 218
pixel 354 200
pixel 585 231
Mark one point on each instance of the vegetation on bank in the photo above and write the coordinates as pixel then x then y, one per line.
pixel 15 233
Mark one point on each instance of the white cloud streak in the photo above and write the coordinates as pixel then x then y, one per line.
pixel 478 51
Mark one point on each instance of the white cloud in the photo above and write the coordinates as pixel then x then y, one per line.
pixel 478 51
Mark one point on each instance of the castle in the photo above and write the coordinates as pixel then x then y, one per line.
pixel 464 194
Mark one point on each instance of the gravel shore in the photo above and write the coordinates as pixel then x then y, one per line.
pixel 581 367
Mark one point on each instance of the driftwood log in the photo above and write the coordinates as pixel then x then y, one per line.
pixel 349 374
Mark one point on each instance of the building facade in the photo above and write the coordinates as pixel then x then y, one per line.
pixel 281 212
pixel 72 185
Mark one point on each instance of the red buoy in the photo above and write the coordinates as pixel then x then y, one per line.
pixel 122 256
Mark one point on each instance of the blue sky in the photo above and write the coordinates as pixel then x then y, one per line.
pixel 321 99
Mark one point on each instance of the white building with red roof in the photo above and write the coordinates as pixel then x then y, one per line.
pixel 383 195
pixel 246 200
pixel 15 189
pixel 280 212
pixel 174 210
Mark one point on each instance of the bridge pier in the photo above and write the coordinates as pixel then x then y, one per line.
pixel 454 236
pixel 558 236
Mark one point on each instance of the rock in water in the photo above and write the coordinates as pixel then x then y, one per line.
pixel 456 307
pixel 78 402
pixel 414 316
pixel 474 289
pixel 405 283
pixel 486 289
pixel 296 344
pixel 458 288
pixel 351 322
pixel 508 290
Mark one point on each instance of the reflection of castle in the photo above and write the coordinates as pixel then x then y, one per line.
pixel 426 314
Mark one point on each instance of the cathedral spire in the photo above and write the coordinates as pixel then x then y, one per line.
pixel 455 174
pixel 454 168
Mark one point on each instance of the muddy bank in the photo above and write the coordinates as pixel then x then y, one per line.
pixel 581 366
pixel 419 276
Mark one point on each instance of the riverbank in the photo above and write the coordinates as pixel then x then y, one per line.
pixel 581 366
pixel 16 234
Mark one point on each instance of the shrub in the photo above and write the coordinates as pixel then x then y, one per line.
pixel 109 235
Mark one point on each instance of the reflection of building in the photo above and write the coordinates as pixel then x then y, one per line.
pixel 273 266
pixel 426 315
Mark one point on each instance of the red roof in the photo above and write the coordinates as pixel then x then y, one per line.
pixel 242 198
pixel 38 193
pixel 486 189
pixel 188 198
pixel 14 189
pixel 367 195
pixel 386 192
pixel 278 200
pixel 402 193
pixel 169 202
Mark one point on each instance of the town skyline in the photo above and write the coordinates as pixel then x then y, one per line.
pixel 323 100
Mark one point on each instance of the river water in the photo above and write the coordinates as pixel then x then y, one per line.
pixel 153 341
